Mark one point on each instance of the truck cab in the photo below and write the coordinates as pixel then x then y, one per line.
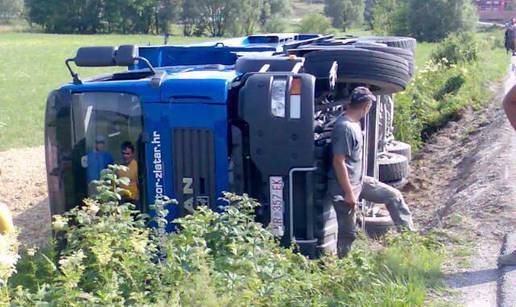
pixel 245 115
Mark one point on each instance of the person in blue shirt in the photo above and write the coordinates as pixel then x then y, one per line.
pixel 98 159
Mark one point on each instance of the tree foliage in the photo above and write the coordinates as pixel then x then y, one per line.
pixel 94 16
pixel 433 20
pixel 10 9
pixel 345 13
pixel 314 23
pixel 430 20
pixel 198 17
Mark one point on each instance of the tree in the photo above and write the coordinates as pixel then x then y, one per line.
pixel 390 17
pixel 275 9
pixel 93 16
pixel 314 23
pixel 190 17
pixel 334 9
pixel 433 20
pixel 345 13
pixel 230 17
pixel 368 12
pixel 168 12
pixel 430 20
pixel 10 9
pixel 247 18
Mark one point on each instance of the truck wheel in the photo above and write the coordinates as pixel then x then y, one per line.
pixel 400 148
pixel 392 167
pixel 384 73
pixel 408 43
pixel 400 184
pixel 376 227
pixel 321 162
pixel 400 52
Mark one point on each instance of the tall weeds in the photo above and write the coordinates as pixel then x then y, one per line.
pixel 216 259
pixel 459 75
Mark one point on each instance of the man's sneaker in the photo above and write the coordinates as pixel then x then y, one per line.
pixel 507 260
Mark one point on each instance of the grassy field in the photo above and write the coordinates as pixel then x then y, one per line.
pixel 31 65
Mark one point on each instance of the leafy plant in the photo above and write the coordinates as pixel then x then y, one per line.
pixel 8 258
pixel 456 49
pixel 215 258
pixel 446 85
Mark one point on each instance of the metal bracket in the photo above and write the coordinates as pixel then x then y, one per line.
pixel 75 76
pixel 291 198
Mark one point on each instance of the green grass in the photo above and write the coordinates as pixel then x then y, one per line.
pixel 32 65
pixel 423 52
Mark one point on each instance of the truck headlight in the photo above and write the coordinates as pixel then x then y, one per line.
pixel 278 97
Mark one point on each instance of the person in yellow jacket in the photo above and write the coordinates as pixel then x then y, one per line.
pixel 132 171
pixel 6 220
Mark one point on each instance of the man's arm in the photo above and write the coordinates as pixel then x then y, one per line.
pixel 341 172
pixel 509 104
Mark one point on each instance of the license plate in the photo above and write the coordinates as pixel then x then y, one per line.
pixel 277 205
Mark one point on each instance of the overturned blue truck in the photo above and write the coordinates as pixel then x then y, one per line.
pixel 246 115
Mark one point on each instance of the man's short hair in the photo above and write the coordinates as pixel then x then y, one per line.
pixel 361 95
pixel 126 145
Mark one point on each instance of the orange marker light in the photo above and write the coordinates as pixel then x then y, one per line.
pixel 295 87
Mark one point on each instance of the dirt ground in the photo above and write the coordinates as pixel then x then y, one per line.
pixel 462 185
pixel 23 188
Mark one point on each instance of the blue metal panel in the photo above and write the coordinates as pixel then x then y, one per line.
pixel 163 56
pixel 198 87
pixel 141 88
pixel 222 52
pixel 160 120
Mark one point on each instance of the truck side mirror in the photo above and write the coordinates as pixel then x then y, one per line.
pixel 101 56
pixel 126 55
pixel 95 56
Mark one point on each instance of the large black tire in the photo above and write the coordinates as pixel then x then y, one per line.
pixel 376 227
pixel 408 43
pixel 392 167
pixel 402 53
pixel 400 148
pixel 384 73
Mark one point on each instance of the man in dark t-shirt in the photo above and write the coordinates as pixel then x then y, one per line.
pixel 345 178
pixel 510 36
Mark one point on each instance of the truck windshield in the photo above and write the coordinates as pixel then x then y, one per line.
pixel 107 130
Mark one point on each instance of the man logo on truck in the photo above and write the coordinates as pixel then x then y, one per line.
pixel 157 165
pixel 188 193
